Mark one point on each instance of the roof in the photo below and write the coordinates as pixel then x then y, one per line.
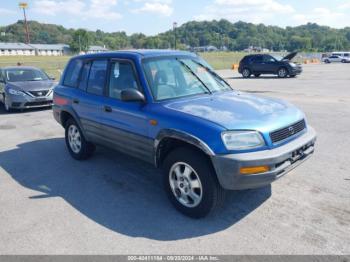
pixel 19 67
pixel 49 46
pixel 16 46
pixel 140 53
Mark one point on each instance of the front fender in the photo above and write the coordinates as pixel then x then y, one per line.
pixel 180 135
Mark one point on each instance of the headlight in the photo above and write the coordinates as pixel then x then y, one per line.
pixel 15 92
pixel 292 64
pixel 239 140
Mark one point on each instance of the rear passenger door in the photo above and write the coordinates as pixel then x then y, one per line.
pixel 88 98
pixel 125 124
pixel 257 64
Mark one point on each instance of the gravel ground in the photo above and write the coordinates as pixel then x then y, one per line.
pixel 113 204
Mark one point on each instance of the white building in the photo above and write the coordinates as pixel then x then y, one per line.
pixel 51 50
pixel 96 49
pixel 7 49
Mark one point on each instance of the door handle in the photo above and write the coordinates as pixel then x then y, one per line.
pixel 75 101
pixel 107 109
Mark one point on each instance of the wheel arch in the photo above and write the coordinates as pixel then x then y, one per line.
pixel 169 139
pixel 67 113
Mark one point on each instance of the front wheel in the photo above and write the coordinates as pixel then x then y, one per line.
pixel 190 182
pixel 282 72
pixel 78 147
pixel 7 107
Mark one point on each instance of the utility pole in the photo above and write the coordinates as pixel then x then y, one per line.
pixel 24 6
pixel 174 28
pixel 79 44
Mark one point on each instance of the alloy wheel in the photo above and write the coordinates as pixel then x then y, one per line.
pixel 74 139
pixel 185 184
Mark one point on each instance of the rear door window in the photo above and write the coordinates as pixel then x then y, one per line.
pixel 84 75
pixel 72 73
pixel 97 77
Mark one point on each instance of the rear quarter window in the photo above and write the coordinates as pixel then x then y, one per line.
pixel 72 73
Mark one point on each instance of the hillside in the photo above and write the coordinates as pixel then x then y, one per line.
pixel 235 36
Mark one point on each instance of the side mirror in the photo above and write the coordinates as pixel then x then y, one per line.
pixel 132 95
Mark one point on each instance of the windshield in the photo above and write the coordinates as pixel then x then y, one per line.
pixel 277 57
pixel 21 74
pixel 178 77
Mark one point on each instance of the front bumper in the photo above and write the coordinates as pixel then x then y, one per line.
pixel 280 160
pixel 23 102
pixel 296 70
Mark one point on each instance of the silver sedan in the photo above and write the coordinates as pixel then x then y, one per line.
pixel 25 87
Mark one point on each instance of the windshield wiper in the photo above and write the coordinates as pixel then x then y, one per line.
pixel 194 74
pixel 213 73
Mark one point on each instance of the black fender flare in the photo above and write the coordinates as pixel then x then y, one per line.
pixel 180 135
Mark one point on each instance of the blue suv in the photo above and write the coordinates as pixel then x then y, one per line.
pixel 171 109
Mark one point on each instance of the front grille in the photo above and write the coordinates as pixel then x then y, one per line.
pixel 39 93
pixel 288 131
pixel 41 103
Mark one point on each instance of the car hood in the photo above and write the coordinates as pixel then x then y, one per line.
pixel 290 56
pixel 239 111
pixel 32 85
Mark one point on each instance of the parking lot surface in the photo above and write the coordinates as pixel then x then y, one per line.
pixel 113 204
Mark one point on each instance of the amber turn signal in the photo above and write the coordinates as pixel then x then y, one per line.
pixel 253 170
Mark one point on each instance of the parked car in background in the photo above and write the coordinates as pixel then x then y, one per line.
pixel 336 59
pixel 342 54
pixel 170 109
pixel 258 64
pixel 25 87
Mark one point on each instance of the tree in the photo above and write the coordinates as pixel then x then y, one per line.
pixel 80 41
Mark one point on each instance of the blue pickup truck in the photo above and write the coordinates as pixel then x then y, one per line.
pixel 171 109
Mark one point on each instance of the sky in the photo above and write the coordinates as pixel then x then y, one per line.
pixel 154 16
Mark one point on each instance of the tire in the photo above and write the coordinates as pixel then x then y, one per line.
pixel 78 147
pixel 256 75
pixel 282 72
pixel 327 61
pixel 8 109
pixel 195 177
pixel 343 61
pixel 246 73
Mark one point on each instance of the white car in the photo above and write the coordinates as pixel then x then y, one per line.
pixel 336 58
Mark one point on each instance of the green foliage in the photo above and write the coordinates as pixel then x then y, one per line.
pixel 80 41
pixel 234 36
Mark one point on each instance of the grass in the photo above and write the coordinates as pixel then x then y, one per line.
pixel 52 65
pixel 222 60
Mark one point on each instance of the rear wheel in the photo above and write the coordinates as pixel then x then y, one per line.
pixel 246 73
pixel 77 145
pixel 191 183
pixel 327 61
pixel 343 61
pixel 282 72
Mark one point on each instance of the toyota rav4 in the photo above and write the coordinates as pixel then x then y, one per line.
pixel 171 109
